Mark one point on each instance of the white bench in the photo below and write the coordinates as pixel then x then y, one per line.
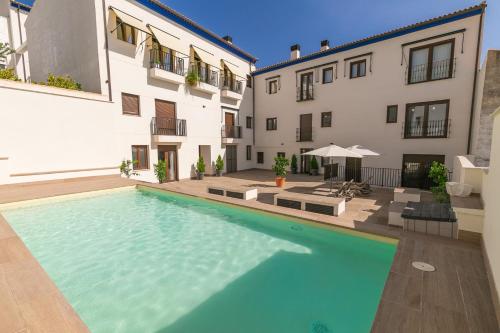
pixel 238 192
pixel 311 203
pixel 406 194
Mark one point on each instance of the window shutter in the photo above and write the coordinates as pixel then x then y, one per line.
pixel 130 104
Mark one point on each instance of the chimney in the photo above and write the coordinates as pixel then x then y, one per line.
pixel 325 45
pixel 295 52
pixel 228 39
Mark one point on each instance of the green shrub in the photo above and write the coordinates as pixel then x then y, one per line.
pixel 314 163
pixel 219 163
pixel 8 74
pixel 126 168
pixel 439 175
pixel 280 164
pixel 200 165
pixel 161 171
pixel 192 78
pixel 5 50
pixel 65 82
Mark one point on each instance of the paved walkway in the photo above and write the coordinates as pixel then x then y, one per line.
pixel 455 298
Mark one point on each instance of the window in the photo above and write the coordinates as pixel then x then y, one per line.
pixel 392 114
pixel 260 157
pixel 427 120
pixel 280 154
pixel 249 81
pixel 131 104
pixel 431 62
pixel 273 86
pixel 249 153
pixel 328 75
pixel 305 91
pixel 140 157
pixel 358 69
pixel 249 122
pixel 125 32
pixel 326 119
pixel 271 124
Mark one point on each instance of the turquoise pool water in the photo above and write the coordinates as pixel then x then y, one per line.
pixel 139 261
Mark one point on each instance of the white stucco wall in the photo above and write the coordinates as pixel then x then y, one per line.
pixel 50 133
pixel 359 105
pixel 491 198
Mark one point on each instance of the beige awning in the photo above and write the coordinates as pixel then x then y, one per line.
pixel 130 20
pixel 169 40
pixel 235 69
pixel 206 56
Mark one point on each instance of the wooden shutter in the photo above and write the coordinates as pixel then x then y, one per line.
pixel 130 104
pixel 164 109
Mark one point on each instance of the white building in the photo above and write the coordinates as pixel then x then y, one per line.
pixel 13 15
pixel 407 94
pixel 139 54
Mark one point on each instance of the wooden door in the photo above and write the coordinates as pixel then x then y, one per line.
pixel 165 117
pixel 306 127
pixel 169 155
pixel 231 159
pixel 229 124
pixel 353 169
pixel 416 168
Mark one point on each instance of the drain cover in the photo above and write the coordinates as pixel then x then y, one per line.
pixel 423 266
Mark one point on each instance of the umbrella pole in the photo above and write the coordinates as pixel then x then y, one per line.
pixel 331 175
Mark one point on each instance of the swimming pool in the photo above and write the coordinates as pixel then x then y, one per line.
pixel 151 261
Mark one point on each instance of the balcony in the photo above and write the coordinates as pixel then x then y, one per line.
pixel 305 93
pixel 166 67
pixel 437 70
pixel 304 135
pixel 230 133
pixel 231 88
pixel 204 78
pixel 165 130
pixel 429 129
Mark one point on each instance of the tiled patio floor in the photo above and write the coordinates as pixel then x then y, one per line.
pixel 455 298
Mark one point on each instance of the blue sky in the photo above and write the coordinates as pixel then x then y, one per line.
pixel 267 28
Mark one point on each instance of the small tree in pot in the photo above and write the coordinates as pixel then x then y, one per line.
pixel 279 167
pixel 219 166
pixel 293 164
pixel 126 168
pixel 161 171
pixel 314 166
pixel 200 168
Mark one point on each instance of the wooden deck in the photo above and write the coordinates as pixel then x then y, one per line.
pixel 456 298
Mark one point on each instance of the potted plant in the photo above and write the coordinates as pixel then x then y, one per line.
pixel 314 166
pixel 279 167
pixel 439 175
pixel 219 166
pixel 200 168
pixel 293 164
pixel 192 78
pixel 161 171
pixel 126 168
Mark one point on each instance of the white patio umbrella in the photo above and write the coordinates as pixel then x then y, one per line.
pixel 358 149
pixel 333 151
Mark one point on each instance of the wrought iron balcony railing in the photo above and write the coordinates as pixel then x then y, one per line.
pixel 205 73
pixel 429 129
pixel 168 126
pixel 231 132
pixel 232 84
pixel 166 61
pixel 305 93
pixel 437 70
pixel 304 134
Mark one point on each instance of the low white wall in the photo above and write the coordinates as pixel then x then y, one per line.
pixel 51 133
pixel 491 195
pixel 464 171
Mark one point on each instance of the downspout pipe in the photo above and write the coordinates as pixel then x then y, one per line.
pixel 476 69
pixel 106 47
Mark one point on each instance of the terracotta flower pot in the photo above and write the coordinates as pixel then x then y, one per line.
pixel 280 181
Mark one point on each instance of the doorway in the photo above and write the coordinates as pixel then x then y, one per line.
pixel 305 127
pixel 306 82
pixel 305 161
pixel 169 155
pixel 231 158
pixel 229 124
pixel 353 169
pixel 416 168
